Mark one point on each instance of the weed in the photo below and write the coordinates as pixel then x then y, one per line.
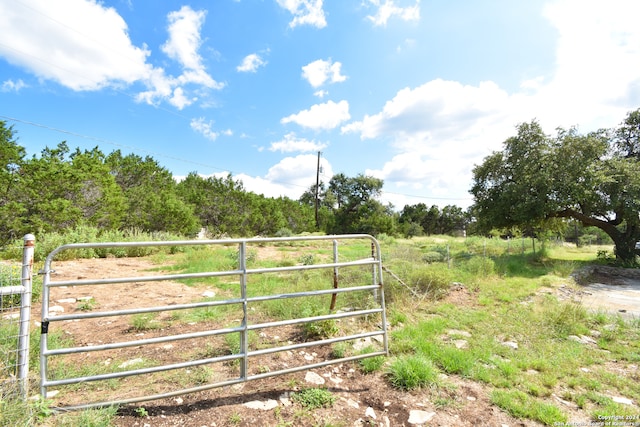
pixel 102 417
pixel 141 412
pixel 312 398
pixel 371 364
pixel 339 350
pixel 87 304
pixel 144 322
pixel 235 418
pixel 412 372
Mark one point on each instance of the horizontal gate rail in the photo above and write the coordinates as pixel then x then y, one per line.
pixel 243 302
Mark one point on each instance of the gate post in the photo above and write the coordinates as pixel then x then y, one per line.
pixel 25 313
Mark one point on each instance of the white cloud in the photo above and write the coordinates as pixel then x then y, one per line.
pixel 251 63
pixel 93 50
pixel 92 45
pixel 305 12
pixel 291 177
pixel 320 71
pixel 11 86
pixel 321 93
pixel 206 129
pixel 389 9
pixel 437 108
pixel 321 116
pixel 291 143
pixel 441 129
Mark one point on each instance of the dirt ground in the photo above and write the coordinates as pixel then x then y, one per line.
pixel 362 399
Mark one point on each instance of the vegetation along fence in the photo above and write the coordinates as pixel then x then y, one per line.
pixel 255 322
pixel 15 316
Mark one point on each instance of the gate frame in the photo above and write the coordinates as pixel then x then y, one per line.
pixel 244 354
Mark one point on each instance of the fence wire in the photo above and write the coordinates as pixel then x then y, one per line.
pixel 10 296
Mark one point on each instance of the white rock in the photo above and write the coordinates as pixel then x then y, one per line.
pixel 459 333
pixel 622 400
pixel 130 363
pixel 582 339
pixel 262 405
pixel 510 344
pixel 362 343
pixel 460 344
pixel 56 309
pixel 179 400
pixel 369 412
pixel 313 378
pixel 335 380
pixel 284 399
pixel 420 417
pixel 353 403
pixel 66 301
pixel 208 294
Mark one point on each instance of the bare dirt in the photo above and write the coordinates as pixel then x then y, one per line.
pixel 362 399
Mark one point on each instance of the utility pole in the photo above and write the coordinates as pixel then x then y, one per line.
pixel 317 190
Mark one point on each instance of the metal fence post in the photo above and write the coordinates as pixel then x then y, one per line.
pixel 25 313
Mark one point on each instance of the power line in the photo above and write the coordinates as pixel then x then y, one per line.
pixel 132 148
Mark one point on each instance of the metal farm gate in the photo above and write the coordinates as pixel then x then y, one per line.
pixel 355 277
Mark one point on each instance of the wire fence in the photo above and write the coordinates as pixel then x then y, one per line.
pixel 10 279
pixel 15 311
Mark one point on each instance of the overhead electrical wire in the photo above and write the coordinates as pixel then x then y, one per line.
pixel 102 140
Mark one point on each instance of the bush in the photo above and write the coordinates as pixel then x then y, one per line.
pixel 430 257
pixel 284 232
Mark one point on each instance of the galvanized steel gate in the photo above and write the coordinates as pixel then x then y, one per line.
pixel 372 289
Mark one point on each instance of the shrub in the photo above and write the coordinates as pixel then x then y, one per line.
pixel 284 232
pixel 430 257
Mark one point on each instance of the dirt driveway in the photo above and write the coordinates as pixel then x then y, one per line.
pixel 611 290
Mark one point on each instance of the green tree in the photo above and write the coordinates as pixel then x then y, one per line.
pixel 355 208
pixel 11 209
pixel 152 195
pixel 593 178
pixel 99 197
pixel 50 190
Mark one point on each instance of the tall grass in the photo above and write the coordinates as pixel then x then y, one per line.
pixel 46 243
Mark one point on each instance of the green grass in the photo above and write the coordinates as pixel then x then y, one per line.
pixel 522 405
pixel 312 398
pixel 412 372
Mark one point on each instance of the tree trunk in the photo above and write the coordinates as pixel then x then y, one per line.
pixel 624 241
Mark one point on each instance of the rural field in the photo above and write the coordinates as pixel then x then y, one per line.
pixel 482 332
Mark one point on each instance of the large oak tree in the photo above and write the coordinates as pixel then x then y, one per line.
pixel 593 178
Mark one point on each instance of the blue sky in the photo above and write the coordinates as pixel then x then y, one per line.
pixel 414 92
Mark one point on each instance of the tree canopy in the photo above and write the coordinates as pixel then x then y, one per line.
pixel 593 178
